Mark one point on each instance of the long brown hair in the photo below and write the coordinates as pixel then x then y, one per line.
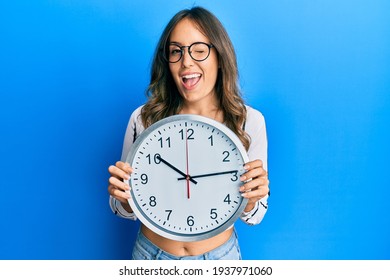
pixel 164 98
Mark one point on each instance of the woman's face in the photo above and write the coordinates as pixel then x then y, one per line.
pixel 195 80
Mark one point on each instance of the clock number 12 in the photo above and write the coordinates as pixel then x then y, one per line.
pixel 190 133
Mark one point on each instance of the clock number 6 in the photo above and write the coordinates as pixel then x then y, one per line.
pixel 190 221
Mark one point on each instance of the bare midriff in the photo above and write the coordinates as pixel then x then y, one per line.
pixel 179 248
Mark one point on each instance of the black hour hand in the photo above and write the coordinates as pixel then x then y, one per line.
pixel 177 170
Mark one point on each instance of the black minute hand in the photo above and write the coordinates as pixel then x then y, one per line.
pixel 210 174
pixel 177 170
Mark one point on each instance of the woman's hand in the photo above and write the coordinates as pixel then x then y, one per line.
pixel 257 186
pixel 117 187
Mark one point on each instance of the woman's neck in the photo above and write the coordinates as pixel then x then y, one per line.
pixel 212 112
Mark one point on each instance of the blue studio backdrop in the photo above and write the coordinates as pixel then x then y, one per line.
pixel 71 72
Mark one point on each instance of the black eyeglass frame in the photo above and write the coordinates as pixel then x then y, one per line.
pixel 166 52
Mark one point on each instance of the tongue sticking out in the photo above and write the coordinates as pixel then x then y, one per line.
pixel 190 82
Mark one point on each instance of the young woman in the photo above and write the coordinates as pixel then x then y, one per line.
pixel 194 71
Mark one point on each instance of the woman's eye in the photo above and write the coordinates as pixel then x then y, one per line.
pixel 176 52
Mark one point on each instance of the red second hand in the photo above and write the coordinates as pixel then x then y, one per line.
pixel 188 176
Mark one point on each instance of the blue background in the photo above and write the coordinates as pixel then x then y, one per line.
pixel 71 72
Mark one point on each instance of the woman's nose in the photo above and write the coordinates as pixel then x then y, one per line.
pixel 186 59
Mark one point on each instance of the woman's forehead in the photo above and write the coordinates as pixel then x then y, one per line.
pixel 187 32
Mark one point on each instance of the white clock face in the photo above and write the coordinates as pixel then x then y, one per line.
pixel 186 179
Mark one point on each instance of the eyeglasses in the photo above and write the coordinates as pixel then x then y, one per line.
pixel 198 51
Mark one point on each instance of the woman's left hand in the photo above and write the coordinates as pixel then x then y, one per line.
pixel 258 185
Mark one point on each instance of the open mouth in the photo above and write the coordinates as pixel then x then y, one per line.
pixel 189 81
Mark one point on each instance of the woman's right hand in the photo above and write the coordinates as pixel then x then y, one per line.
pixel 117 187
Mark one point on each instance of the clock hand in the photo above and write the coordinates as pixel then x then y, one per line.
pixel 158 157
pixel 188 176
pixel 209 174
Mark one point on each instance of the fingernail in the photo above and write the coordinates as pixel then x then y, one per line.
pixel 244 194
pixel 246 167
pixel 127 176
pixel 243 178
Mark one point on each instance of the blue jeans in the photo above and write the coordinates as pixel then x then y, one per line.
pixel 144 249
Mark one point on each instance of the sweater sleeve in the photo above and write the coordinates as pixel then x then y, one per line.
pixel 134 128
pixel 255 127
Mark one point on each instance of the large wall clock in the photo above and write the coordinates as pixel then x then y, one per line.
pixel 186 179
